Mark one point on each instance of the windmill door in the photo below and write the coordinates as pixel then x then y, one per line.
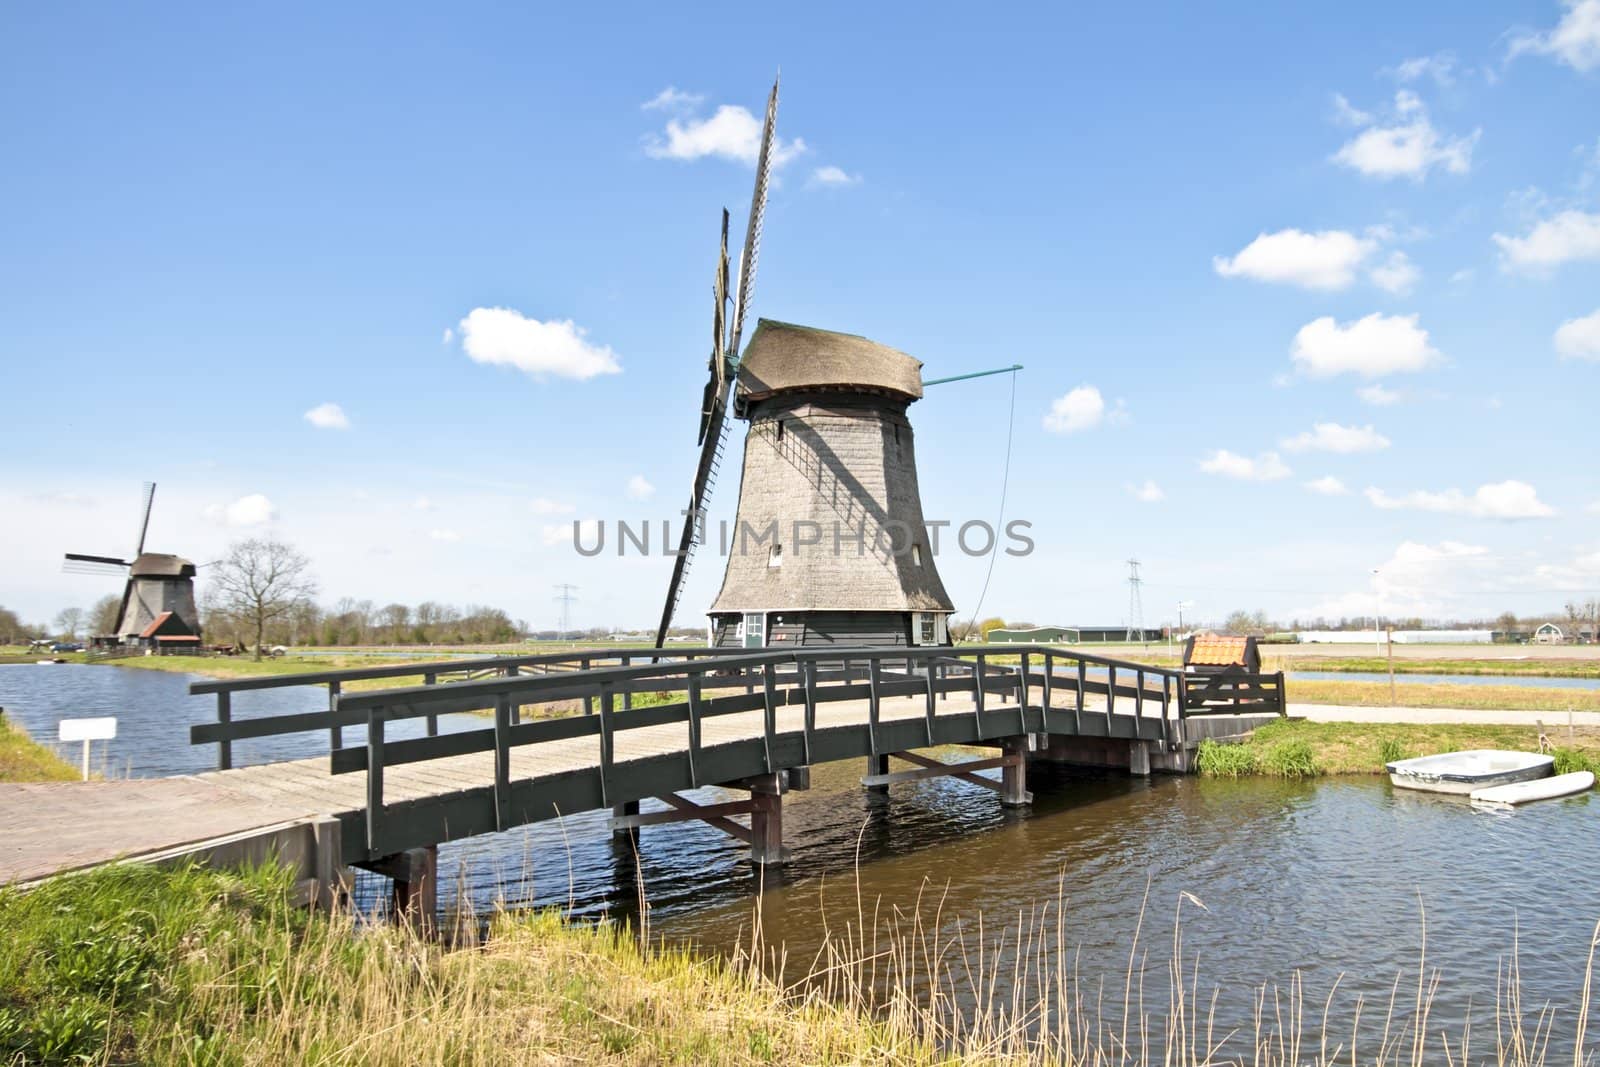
pixel 755 629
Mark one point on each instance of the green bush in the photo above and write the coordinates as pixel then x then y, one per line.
pixel 1289 759
pixel 1216 760
pixel 1390 750
pixel 1569 760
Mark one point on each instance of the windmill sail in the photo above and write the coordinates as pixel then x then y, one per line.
pixel 724 362
pixel 144 524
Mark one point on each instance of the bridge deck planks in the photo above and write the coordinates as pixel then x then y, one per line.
pixel 68 825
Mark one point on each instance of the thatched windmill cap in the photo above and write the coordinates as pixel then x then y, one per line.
pixel 161 565
pixel 782 357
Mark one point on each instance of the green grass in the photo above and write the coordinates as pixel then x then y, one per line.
pixel 1292 746
pixel 136 964
pixel 23 759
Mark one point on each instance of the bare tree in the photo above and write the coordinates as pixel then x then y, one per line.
pixel 69 621
pixel 262 581
pixel 105 614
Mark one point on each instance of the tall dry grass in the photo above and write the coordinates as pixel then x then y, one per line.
pixel 130 965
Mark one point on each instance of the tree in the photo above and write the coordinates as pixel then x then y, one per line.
pixel 69 621
pixel 262 581
pixel 105 614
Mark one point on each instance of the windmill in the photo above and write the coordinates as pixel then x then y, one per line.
pixel 158 596
pixel 829 545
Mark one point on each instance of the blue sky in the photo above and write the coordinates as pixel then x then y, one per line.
pixel 1239 250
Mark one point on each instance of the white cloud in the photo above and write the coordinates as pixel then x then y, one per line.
pixel 422 503
pixel 1332 437
pixel 1396 275
pixel 1501 500
pixel 1575 40
pixel 1580 338
pixel 673 99
pixel 831 175
pixel 449 335
pixel 1462 276
pixel 504 337
pixel 730 133
pixel 1148 493
pixel 251 510
pixel 1417 580
pixel 1328 486
pixel 1324 260
pixel 1267 467
pixel 1594 508
pixel 545 506
pixel 444 535
pixel 1564 238
pixel 1081 409
pixel 1346 114
pixel 561 533
pixel 1371 347
pixel 1440 67
pixel 328 417
pixel 1405 144
pixel 639 489
pixel 1378 396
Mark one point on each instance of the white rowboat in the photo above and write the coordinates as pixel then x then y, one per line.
pixel 1462 772
pixel 1506 796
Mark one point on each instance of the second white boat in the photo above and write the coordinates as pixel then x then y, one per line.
pixel 1462 772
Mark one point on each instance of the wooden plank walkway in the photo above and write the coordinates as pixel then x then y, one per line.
pixel 57 827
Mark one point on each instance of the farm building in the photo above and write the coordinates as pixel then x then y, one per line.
pixel 1549 634
pixel 1072 635
pixel 1401 637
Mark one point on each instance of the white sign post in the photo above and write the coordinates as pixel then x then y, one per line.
pixel 87 730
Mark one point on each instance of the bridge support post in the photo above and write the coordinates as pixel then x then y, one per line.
pixel 766 821
pixel 1138 759
pixel 876 767
pixel 416 885
pixel 1014 775
pixel 625 833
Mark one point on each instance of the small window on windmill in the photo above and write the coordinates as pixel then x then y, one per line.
pixel 927 628
pixel 775 553
pixel 916 555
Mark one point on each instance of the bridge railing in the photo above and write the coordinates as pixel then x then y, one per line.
pixel 226 729
pixel 578 676
pixel 770 679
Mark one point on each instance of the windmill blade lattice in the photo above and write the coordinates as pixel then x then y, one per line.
pixel 723 365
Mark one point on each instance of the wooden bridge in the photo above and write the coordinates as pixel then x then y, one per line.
pixel 576 732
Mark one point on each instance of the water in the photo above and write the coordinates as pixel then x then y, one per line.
pixel 1323 878
pixel 154 712
pixel 1530 681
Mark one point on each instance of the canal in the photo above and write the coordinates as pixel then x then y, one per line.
pixel 1330 880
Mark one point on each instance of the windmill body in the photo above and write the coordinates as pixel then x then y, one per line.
pixel 829 545
pixel 159 599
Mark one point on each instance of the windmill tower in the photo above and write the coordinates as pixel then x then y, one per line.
pixel 829 546
pixel 158 597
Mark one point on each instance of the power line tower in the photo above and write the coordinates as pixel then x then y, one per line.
pixel 564 597
pixel 1135 603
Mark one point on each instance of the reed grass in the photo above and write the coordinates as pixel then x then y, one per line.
pixel 136 964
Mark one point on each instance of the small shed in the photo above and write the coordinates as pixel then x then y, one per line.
pixel 168 634
pixel 1221 654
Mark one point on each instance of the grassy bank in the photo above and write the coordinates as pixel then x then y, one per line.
pixel 140 965
pixel 22 759
pixel 134 964
pixel 1294 749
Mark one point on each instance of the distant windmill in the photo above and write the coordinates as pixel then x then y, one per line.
pixel 829 450
pixel 158 596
